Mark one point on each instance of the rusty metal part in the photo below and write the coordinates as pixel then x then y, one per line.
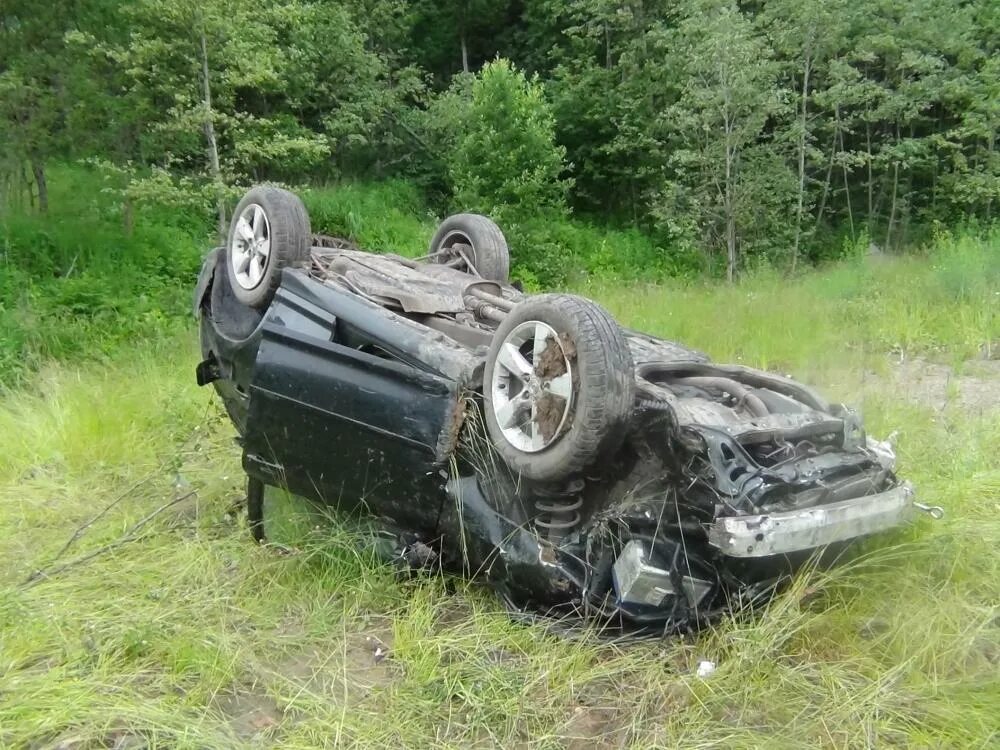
pixel 484 310
pixel 559 511
pixel 477 290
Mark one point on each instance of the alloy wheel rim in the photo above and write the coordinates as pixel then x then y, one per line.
pixel 250 251
pixel 532 387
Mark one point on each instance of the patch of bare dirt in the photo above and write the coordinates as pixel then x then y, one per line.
pixel 974 388
pixel 350 671
pixel 250 713
pixel 593 727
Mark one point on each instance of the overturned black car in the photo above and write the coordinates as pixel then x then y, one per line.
pixel 580 467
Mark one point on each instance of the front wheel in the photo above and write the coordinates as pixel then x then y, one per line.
pixel 558 387
pixel 270 231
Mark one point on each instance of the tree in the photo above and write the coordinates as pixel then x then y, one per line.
pixel 730 90
pixel 33 100
pixel 806 34
pixel 610 76
pixel 504 157
pixel 246 91
pixel 457 35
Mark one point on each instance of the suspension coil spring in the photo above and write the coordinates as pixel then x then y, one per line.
pixel 559 512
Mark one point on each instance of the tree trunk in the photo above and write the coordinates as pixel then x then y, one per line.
pixel 607 46
pixel 465 46
pixel 892 209
pixel 871 178
pixel 26 185
pixel 38 170
pixel 731 247
pixel 991 143
pixel 211 144
pixel 895 193
pixel 829 175
pixel 802 161
pixel 847 191
pixel 730 219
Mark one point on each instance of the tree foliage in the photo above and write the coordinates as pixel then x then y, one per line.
pixel 503 157
pixel 745 131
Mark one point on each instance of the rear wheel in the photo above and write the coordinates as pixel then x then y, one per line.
pixel 473 243
pixel 270 231
pixel 559 386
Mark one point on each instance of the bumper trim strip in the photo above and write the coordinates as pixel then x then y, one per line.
pixel 797 530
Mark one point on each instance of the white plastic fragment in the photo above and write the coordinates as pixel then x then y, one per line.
pixel 884 451
pixel 705 668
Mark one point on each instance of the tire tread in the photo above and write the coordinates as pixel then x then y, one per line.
pixel 606 393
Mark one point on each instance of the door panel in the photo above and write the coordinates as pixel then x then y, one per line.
pixel 346 427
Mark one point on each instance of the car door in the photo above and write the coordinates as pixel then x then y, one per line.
pixel 346 423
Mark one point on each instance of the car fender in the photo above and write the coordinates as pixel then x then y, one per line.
pixel 205 277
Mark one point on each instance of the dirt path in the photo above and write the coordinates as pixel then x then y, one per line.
pixel 974 388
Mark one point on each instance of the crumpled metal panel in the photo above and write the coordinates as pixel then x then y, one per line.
pixel 639 582
pixel 388 280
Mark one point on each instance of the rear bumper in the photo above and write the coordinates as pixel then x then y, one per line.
pixel 798 530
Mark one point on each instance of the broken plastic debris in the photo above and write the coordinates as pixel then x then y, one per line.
pixel 884 452
pixel 705 668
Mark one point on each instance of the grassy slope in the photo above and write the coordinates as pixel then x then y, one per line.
pixel 192 637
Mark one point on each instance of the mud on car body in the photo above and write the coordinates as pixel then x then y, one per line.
pixel 581 468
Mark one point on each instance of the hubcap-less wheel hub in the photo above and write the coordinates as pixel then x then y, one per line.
pixel 457 248
pixel 251 246
pixel 532 386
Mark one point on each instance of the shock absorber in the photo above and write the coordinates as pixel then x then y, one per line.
pixel 558 511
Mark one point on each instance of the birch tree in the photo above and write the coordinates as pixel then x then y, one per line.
pixel 729 93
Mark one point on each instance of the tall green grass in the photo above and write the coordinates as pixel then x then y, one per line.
pixel 385 216
pixel 944 302
pixel 75 283
pixel 192 637
pixel 189 636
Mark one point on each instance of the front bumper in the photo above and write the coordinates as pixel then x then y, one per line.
pixel 807 529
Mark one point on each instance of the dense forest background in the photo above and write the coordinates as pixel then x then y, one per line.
pixel 732 133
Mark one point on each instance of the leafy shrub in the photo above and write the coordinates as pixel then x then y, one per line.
pixel 551 250
pixel 502 158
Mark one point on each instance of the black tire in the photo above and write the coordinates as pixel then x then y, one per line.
pixel 603 381
pixel 290 238
pixel 488 253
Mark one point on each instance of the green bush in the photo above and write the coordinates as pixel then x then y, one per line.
pixel 504 159
pixel 551 250
pixel 384 216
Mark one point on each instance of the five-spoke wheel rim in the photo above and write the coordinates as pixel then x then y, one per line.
pixel 532 386
pixel 251 246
